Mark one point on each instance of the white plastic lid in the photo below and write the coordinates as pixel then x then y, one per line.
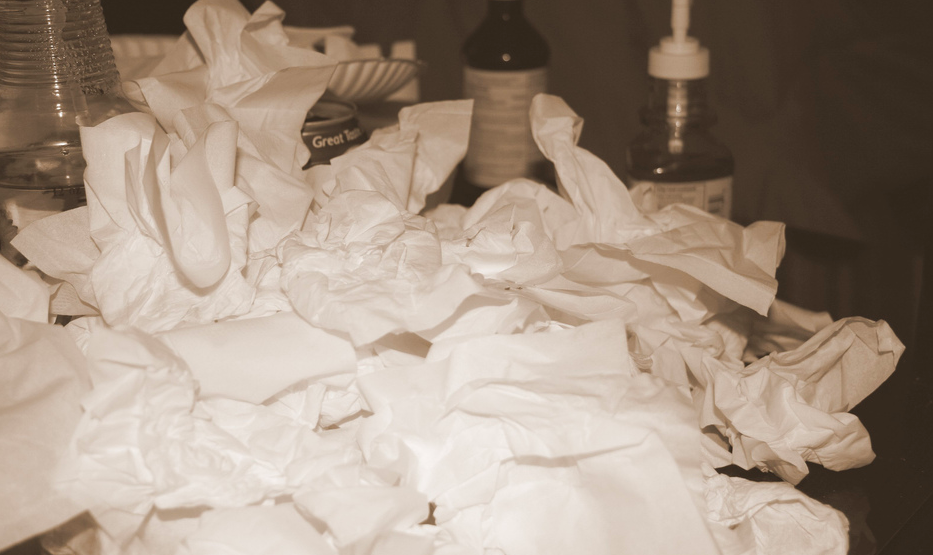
pixel 679 56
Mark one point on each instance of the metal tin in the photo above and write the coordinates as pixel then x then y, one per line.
pixel 330 129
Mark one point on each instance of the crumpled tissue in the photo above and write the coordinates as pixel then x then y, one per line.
pixel 188 222
pixel 227 358
pixel 407 161
pixel 42 379
pixel 171 238
pixel 791 407
pixel 774 517
pixel 65 255
pixel 178 205
pixel 255 530
pixel 311 355
pixel 368 518
pixel 501 430
pixel 738 263
pixel 178 451
pixel 23 294
pixel 365 268
pixel 244 63
pixel 366 263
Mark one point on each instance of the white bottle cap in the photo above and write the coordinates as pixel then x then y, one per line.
pixel 679 56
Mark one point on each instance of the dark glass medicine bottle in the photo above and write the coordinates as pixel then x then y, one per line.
pixel 504 63
pixel 676 158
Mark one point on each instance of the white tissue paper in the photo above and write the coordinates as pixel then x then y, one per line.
pixel 792 407
pixel 290 361
pixel 256 530
pixel 42 380
pixel 23 294
pixel 244 63
pixel 226 358
pixel 780 518
pixel 66 258
pixel 501 431
pixel 153 271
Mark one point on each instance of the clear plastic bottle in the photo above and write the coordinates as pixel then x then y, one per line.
pixel 40 99
pixel 56 72
pixel 88 44
pixel 676 158
pixel 505 64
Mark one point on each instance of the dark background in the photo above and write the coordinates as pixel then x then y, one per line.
pixel 826 107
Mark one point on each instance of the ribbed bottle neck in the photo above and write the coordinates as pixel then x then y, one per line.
pixel 88 41
pixel 33 50
pixel 683 102
pixel 56 43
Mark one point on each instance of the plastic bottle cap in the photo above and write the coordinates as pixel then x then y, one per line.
pixel 679 56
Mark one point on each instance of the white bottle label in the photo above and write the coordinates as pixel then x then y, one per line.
pixel 501 145
pixel 714 195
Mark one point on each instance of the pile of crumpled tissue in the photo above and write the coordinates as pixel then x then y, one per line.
pixel 269 360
